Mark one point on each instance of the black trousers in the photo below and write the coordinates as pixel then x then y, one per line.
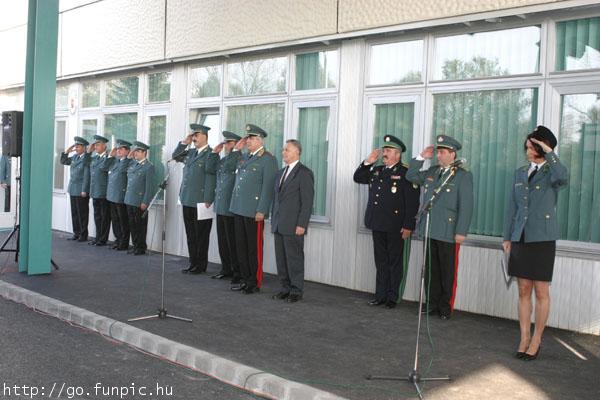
pixel 289 256
pixel 138 225
pixel 249 242
pixel 101 219
pixel 80 209
pixel 388 249
pixel 120 224
pixel 442 279
pixel 7 199
pixel 198 237
pixel 227 247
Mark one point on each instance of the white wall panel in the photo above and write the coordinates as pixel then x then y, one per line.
pixel 204 26
pixel 112 33
pixel 14 48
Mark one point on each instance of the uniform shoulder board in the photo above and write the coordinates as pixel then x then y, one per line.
pixel 261 152
pixel 524 168
pixel 405 165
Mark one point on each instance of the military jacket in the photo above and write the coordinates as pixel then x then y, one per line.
pixel 453 208
pixel 199 179
pixel 531 207
pixel 79 180
pixel 117 178
pixel 393 201
pixel 140 183
pixel 226 167
pixel 253 187
pixel 98 176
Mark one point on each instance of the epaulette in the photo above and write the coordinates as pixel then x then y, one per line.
pixel 261 152
pixel 404 165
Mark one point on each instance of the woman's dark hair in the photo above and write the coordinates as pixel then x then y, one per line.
pixel 538 149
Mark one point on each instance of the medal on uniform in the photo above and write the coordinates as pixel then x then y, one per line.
pixel 394 189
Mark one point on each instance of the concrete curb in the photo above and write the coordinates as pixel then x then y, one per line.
pixel 251 379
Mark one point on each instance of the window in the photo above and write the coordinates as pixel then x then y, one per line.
pixel 121 126
pixel 156 153
pixel 313 129
pixel 579 150
pixel 159 87
pixel 487 54
pixel 396 63
pixel 89 128
pixel 395 119
pixel 578 44
pixel 59 147
pixel 317 70
pixel 209 117
pixel 62 97
pixel 257 77
pixel 90 94
pixel 269 117
pixel 122 91
pixel 491 125
pixel 205 82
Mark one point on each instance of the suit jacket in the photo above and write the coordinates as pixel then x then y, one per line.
pixel 393 201
pixel 531 205
pixel 98 176
pixel 293 201
pixel 453 208
pixel 80 173
pixel 199 179
pixel 117 178
pixel 140 183
pixel 225 180
pixel 253 188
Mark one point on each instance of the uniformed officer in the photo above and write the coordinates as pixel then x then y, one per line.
pixel 140 190
pixel 98 183
pixel 79 187
pixel 197 187
pixel 226 167
pixel 391 210
pixel 250 204
pixel 5 180
pixel 116 166
pixel 449 222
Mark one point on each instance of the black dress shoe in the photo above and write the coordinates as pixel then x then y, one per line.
pixel 280 296
pixel 376 302
pixel 390 304
pixel 250 290
pixel 238 287
pixel 220 275
pixel 121 248
pixel 444 317
pixel 130 251
pixel 73 238
pixel 139 252
pixel 188 269
pixel 100 244
pixel 294 298
pixel 115 247
pixel 92 243
pixel 196 271
pixel 519 354
pixel 82 239
pixel 531 357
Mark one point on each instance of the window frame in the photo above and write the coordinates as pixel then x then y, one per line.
pixel 313 92
pixel 140 94
pixel 146 87
pixel 65 119
pixel 188 82
pixel 225 74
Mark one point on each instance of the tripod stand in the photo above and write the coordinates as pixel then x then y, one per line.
pixel 16 227
pixel 414 376
pixel 162 311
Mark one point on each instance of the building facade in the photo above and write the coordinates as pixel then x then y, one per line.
pixel 338 75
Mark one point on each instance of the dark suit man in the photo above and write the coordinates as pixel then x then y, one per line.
pixel 293 197
pixel 391 211
pixel 98 183
pixel 197 187
pixel 116 166
pixel 5 180
pixel 79 187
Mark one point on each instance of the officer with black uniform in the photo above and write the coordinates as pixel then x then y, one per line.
pixel 98 183
pixel 79 187
pixel 391 210
pixel 197 190
pixel 226 167
pixel 116 166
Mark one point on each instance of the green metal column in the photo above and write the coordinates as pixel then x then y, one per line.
pixel 38 138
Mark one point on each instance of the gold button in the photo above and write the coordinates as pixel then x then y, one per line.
pixel 450 219
pixel 377 195
pixel 375 203
pixel 256 197
pixel 396 211
pixel 547 216
pixel 537 187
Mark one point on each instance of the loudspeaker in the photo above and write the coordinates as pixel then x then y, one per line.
pixel 12 133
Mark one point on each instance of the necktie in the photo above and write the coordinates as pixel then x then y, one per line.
pixel 535 170
pixel 285 171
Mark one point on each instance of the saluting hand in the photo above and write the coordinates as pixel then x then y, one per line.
pixel 544 146
pixel 69 149
pixel 113 152
pixel 91 147
pixel 373 156
pixel 218 148
pixel 241 143
pixel 188 139
pixel 259 217
pixel 427 153
pixel 405 233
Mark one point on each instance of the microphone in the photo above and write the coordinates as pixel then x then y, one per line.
pixel 458 162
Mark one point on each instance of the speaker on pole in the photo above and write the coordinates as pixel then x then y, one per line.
pixel 12 133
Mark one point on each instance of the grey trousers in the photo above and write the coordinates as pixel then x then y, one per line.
pixel 289 255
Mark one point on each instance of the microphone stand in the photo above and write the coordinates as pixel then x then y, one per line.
pixel 414 376
pixel 162 311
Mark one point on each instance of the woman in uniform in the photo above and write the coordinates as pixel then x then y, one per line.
pixel 530 234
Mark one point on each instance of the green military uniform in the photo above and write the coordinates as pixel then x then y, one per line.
pixel 140 190
pixel 115 195
pixel 450 215
pixel 5 180
pixel 225 168
pixel 98 183
pixel 79 182
pixel 252 194
pixel 197 187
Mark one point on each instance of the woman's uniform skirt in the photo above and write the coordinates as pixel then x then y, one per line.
pixel 534 260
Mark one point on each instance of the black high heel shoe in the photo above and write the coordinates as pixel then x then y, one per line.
pixel 519 354
pixel 531 357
